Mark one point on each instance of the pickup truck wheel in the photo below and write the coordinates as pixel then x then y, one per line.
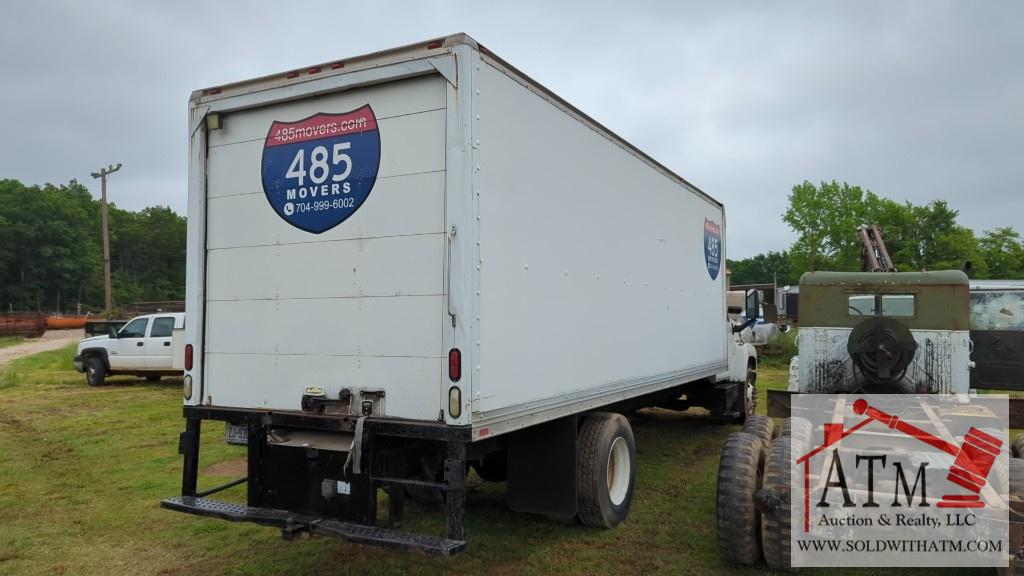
pixel 95 371
pixel 740 473
pixel 606 469
pixel 152 378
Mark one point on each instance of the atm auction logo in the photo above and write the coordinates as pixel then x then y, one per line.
pixel 899 480
pixel 319 170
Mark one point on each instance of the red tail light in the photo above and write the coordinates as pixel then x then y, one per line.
pixel 435 44
pixel 188 356
pixel 454 365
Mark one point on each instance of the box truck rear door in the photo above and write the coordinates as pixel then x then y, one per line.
pixel 325 250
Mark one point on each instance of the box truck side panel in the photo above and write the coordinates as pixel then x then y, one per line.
pixel 595 274
pixel 358 305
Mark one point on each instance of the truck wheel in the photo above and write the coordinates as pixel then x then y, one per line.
pixel 776 525
pixel 605 469
pixel 762 427
pixel 1016 495
pixel 95 371
pixel 749 401
pixel 1018 446
pixel 800 430
pixel 152 377
pixel 740 472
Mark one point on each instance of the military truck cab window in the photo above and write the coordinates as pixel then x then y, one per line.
pixel 892 305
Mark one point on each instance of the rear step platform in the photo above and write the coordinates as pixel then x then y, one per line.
pixel 291 523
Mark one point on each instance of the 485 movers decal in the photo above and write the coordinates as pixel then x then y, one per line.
pixel 712 247
pixel 318 171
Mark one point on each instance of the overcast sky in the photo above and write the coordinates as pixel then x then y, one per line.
pixel 914 100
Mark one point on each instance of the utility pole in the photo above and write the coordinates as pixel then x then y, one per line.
pixel 102 175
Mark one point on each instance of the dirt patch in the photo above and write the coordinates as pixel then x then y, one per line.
pixel 52 340
pixel 235 468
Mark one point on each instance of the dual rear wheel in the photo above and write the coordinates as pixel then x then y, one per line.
pixel 752 505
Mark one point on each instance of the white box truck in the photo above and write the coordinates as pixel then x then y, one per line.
pixel 410 263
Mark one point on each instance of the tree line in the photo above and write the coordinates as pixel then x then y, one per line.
pixel 826 216
pixel 51 247
pixel 51 250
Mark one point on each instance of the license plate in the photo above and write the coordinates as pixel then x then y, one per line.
pixel 237 435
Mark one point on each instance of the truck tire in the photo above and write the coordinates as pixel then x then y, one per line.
pixel 749 399
pixel 1016 495
pixel 762 427
pixel 605 469
pixel 1018 446
pixel 776 527
pixel 152 377
pixel 95 370
pixel 800 430
pixel 740 473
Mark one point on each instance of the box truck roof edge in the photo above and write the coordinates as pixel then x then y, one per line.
pixel 416 51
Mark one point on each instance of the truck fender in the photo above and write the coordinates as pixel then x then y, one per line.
pixel 751 355
pixel 102 352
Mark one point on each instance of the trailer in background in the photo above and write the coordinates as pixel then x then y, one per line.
pixel 24 324
pixel 789 306
pixel 997 333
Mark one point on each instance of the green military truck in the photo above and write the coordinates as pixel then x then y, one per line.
pixel 860 332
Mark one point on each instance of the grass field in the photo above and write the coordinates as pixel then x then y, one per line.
pixel 6 341
pixel 82 471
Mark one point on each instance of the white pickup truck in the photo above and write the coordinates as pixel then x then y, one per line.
pixel 151 346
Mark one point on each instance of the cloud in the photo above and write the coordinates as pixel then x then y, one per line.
pixel 914 100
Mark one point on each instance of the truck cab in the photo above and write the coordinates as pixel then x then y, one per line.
pixel 144 347
pixel 902 332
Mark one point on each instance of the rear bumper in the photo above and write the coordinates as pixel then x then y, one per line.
pixel 328 488
pixel 292 524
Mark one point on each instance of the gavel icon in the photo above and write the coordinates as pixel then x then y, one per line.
pixel 972 461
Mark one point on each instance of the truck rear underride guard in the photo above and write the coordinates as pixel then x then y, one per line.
pixel 319 493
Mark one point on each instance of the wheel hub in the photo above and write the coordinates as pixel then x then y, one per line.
pixel 618 471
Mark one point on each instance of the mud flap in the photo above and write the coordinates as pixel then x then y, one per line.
pixel 542 469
